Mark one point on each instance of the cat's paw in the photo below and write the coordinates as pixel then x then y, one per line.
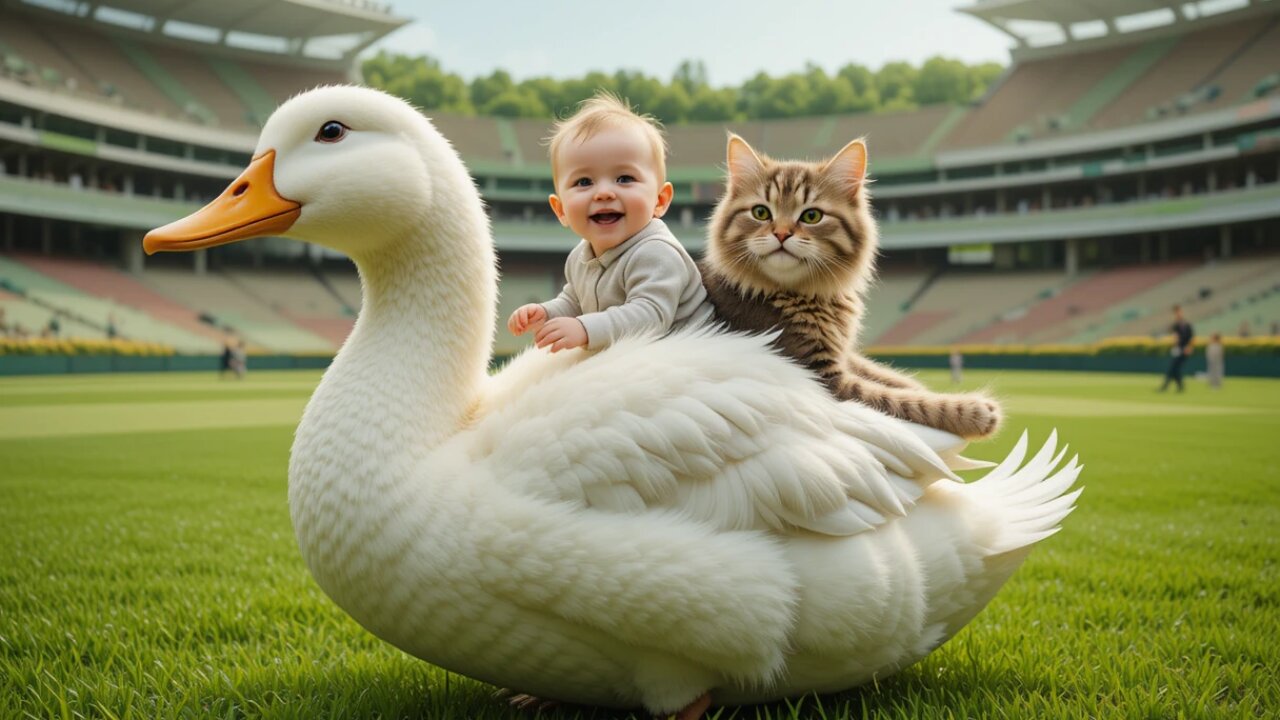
pixel 978 416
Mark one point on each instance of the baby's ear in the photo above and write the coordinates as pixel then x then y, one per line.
pixel 665 194
pixel 743 161
pixel 849 166
pixel 557 207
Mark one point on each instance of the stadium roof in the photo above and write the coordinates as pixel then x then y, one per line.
pixel 320 29
pixel 1039 23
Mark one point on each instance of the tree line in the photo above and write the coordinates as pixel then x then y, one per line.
pixel 688 97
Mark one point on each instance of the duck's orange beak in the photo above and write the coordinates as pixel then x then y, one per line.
pixel 249 207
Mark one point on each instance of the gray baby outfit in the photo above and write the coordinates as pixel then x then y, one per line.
pixel 646 285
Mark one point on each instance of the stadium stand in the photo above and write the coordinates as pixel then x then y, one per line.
pixel 226 304
pixel 963 302
pixel 1190 63
pixel 1203 291
pixel 1097 176
pixel 887 302
pixel 1034 96
pixel 1049 319
pixel 110 284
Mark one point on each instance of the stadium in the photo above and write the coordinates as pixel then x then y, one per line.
pixel 1101 179
pixel 1127 160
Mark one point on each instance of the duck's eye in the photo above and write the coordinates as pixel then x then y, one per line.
pixel 811 216
pixel 761 213
pixel 331 132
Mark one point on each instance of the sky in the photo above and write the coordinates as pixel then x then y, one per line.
pixel 734 38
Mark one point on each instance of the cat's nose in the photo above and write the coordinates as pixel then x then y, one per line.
pixel 782 236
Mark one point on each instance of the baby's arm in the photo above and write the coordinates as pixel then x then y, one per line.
pixel 654 280
pixel 533 316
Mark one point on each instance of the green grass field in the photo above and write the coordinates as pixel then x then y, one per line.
pixel 148 569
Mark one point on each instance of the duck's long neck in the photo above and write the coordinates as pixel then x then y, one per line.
pixel 413 366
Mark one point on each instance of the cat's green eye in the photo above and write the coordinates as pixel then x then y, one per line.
pixel 811 216
pixel 761 213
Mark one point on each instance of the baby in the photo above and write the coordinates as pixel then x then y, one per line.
pixel 629 275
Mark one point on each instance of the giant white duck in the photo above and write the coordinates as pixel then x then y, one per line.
pixel 663 524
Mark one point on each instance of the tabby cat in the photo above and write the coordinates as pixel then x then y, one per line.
pixel 792 247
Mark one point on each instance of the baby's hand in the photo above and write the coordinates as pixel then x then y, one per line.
pixel 561 334
pixel 526 317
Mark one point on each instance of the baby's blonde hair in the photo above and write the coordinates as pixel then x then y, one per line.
pixel 601 112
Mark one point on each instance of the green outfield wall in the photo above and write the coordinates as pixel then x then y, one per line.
pixel 1237 365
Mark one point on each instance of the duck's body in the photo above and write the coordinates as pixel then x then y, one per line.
pixel 639 526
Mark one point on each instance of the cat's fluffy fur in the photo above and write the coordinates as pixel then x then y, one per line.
pixel 792 247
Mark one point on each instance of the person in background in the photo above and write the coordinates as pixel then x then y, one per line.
pixel 1215 361
pixel 55 326
pixel 226 361
pixel 1183 333
pixel 957 366
pixel 112 330
pixel 240 360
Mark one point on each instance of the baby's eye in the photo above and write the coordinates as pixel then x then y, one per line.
pixel 811 216
pixel 582 182
pixel 761 213
pixel 624 179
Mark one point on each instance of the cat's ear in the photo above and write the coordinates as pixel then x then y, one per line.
pixel 743 161
pixel 849 166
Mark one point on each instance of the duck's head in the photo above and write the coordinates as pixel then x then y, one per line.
pixel 347 167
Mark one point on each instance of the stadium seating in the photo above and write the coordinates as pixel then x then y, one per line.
pixel 225 302
pixel 125 295
pixel 886 302
pixel 1203 291
pixel 962 302
pixel 894 134
pixel 1052 319
pixel 1190 63
pixel 32 319
pixel 1033 94
pixel 347 287
pixel 1238 80
pixel 300 298
pixel 199 80
pixel 1256 314
pixel 476 138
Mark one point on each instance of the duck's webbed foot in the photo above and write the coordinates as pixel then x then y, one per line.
pixel 524 701
pixel 695 709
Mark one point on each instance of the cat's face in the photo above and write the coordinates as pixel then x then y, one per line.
pixel 795 226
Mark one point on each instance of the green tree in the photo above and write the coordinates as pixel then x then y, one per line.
pixel 789 96
pixel 643 92
pixel 579 89
pixel 981 77
pixel 894 83
pixel 673 105
pixel 551 92
pixel 689 95
pixel 708 105
pixel 516 102
pixel 484 89
pixel 943 80
pixel 420 80
pixel 692 76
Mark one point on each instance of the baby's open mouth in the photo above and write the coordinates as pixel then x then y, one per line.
pixel 606 218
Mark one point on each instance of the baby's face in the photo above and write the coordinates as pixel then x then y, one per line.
pixel 608 187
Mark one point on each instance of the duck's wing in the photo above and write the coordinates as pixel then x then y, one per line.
pixel 713 426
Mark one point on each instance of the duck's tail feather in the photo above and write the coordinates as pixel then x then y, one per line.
pixel 1013 507
pixel 1031 499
